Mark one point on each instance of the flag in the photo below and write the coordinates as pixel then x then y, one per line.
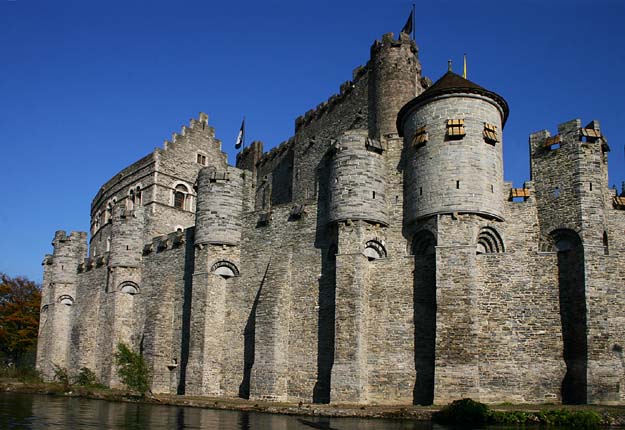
pixel 408 25
pixel 241 136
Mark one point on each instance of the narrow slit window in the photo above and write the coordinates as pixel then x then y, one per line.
pixel 455 128
pixel 457 185
pixel 373 195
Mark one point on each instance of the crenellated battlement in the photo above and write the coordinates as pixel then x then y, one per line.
pixel 324 107
pixel 166 242
pixel 276 151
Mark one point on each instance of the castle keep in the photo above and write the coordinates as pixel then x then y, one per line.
pixel 377 256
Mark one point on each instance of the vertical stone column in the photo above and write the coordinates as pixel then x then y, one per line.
pixel 208 304
pixel 457 348
pixel 349 373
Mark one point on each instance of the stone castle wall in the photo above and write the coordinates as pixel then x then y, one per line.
pixel 319 272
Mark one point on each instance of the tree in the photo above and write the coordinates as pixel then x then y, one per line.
pixel 20 300
pixel 132 369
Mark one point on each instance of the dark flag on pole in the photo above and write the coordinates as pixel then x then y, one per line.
pixel 241 136
pixel 408 25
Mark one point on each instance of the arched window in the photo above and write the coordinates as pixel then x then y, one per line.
pixel 108 214
pixel 130 201
pixel 374 250
pixel 138 196
pixel 489 241
pixel 180 197
pixel 66 300
pixel 129 288
pixel 225 269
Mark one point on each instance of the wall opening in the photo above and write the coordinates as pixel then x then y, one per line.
pixel 424 313
pixel 571 287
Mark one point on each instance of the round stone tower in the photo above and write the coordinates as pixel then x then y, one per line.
pixel 453 141
pixel 357 187
pixel 219 205
pixel 395 72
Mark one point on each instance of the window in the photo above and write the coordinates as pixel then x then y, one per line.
pixel 490 133
pixel 201 159
pixel 180 197
pixel 129 288
pixel 225 269
pixel 130 202
pixel 66 300
pixel 108 215
pixel 420 137
pixel 374 250
pixel 455 128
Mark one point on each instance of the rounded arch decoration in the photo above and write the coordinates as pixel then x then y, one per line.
pixel 489 241
pixel 66 300
pixel 225 269
pixel 565 239
pixel 374 250
pixel 129 287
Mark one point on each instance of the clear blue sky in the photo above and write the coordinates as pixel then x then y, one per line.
pixel 88 87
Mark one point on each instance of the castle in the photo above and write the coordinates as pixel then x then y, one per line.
pixel 377 256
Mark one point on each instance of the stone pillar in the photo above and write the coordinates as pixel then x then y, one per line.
pixel 457 345
pixel 349 373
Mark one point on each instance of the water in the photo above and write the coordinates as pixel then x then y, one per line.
pixel 25 411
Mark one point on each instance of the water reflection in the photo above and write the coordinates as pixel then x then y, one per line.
pixel 25 411
pixel 21 411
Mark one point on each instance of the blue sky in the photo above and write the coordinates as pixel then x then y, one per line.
pixel 88 87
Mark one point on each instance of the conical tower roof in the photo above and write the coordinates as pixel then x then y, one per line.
pixel 451 83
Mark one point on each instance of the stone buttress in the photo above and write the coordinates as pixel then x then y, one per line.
pixel 217 255
pixel 58 299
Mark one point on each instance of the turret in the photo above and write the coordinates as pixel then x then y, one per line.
pixel 126 239
pixel 58 298
pixel 453 139
pixel 219 203
pixel 395 72
pixel 357 185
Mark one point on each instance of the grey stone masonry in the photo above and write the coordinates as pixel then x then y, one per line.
pixel 357 180
pixel 375 257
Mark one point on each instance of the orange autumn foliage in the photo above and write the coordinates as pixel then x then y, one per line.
pixel 20 300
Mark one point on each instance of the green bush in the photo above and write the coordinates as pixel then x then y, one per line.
pixel 87 378
pixel 583 420
pixel 463 411
pixel 62 376
pixel 509 417
pixel 132 369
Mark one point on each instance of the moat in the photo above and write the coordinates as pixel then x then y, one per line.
pixel 28 411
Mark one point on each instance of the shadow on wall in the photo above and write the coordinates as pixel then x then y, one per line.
pixel 571 287
pixel 189 268
pixel 249 342
pixel 424 251
pixel 326 241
